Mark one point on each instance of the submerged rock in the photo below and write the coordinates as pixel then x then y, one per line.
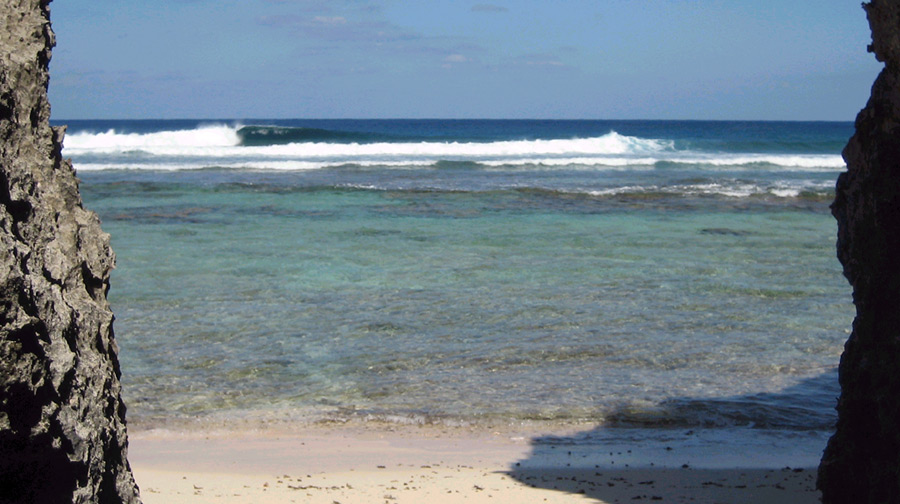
pixel 862 461
pixel 62 421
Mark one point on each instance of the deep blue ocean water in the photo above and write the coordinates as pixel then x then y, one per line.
pixel 647 274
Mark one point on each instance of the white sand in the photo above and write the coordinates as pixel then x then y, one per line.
pixel 428 465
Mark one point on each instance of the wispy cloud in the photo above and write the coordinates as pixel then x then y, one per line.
pixel 302 5
pixel 544 62
pixel 540 60
pixel 330 20
pixel 345 33
pixel 339 28
pixel 454 59
pixel 328 6
pixel 488 8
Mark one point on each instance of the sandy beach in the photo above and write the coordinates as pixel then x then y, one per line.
pixel 349 464
pixel 338 307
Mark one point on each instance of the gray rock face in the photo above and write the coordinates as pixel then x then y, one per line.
pixel 62 422
pixel 862 461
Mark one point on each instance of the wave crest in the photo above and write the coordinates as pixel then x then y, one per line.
pixel 213 135
pixel 261 140
pixel 281 148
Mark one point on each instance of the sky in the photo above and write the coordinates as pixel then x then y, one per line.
pixel 509 59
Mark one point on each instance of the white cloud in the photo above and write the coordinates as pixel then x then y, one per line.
pixel 488 8
pixel 456 58
pixel 545 63
pixel 330 20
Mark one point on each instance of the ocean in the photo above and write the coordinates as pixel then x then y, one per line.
pixel 653 276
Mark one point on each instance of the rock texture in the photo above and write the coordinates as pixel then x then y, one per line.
pixel 862 461
pixel 62 422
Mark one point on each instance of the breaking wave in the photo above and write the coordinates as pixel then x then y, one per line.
pixel 283 148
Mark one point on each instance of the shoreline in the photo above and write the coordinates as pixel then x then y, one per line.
pixel 394 464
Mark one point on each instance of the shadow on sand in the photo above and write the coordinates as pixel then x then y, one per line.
pixel 756 448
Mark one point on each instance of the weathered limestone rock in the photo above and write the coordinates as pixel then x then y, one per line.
pixel 62 422
pixel 862 461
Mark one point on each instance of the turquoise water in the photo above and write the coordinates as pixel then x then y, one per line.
pixel 678 275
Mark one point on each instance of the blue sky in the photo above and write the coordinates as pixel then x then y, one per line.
pixel 590 59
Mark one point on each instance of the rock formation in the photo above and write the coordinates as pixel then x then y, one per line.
pixel 862 461
pixel 62 422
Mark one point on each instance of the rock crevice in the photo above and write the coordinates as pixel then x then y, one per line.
pixel 62 421
pixel 861 463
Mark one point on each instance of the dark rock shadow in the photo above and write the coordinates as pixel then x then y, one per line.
pixel 751 448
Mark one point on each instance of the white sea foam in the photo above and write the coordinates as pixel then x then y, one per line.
pixel 737 191
pixel 179 166
pixel 213 135
pixel 813 162
pixel 779 189
pixel 224 141
pixel 218 145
